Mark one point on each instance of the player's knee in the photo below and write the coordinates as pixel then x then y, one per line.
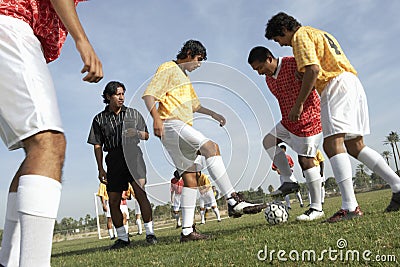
pixel 210 149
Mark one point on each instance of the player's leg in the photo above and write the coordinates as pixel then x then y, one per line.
pixel 287 199
pixel 216 168
pixel 138 214
pixel 374 161
pixel 202 209
pixel 117 217
pixel 212 202
pixel 299 198
pixel 176 207
pixel 341 167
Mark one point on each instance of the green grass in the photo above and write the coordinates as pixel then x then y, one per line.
pixel 236 242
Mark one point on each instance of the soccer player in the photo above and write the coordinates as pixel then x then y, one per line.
pixel 32 33
pixel 344 109
pixel 172 90
pixel 207 198
pixel 303 135
pixel 176 191
pixel 102 193
pixel 124 209
pixel 106 134
pixel 293 179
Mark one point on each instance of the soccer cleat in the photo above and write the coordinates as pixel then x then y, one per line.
pixel 119 243
pixel 311 215
pixel 151 239
pixel 286 188
pixel 301 205
pixel 394 204
pixel 342 215
pixel 242 207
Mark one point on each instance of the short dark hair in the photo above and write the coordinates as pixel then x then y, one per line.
pixel 283 147
pixel 259 53
pixel 194 48
pixel 111 89
pixel 176 175
pixel 276 24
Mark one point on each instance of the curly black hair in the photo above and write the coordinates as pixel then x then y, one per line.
pixel 193 48
pixel 278 22
pixel 110 89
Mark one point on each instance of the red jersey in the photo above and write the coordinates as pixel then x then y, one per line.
pixel 176 185
pixel 44 21
pixel 290 161
pixel 285 87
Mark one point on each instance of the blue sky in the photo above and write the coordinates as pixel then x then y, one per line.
pixel 133 37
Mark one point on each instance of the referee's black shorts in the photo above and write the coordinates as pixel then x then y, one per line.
pixel 124 168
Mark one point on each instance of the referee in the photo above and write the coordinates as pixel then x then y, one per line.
pixel 106 134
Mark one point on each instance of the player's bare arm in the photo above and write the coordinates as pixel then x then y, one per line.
pixel 92 64
pixel 218 117
pixel 158 125
pixel 307 85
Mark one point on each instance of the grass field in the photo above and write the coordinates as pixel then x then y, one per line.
pixel 250 241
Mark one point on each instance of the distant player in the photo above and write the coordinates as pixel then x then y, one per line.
pixel 102 193
pixel 176 191
pixel 207 198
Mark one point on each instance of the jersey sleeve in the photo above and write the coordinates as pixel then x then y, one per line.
pixel 95 135
pixel 304 49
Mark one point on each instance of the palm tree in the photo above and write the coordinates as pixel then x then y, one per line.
pixel 392 140
pixel 386 155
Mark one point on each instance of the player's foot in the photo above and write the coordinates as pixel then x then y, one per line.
pixel 301 205
pixel 394 204
pixel 310 215
pixel 219 220
pixel 289 208
pixel 119 243
pixel 112 238
pixel 151 239
pixel 243 207
pixel 193 236
pixel 178 226
pixel 286 188
pixel 139 233
pixel 342 215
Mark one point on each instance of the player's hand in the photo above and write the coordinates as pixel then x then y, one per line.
pixel 91 63
pixel 130 132
pixel 295 112
pixel 158 127
pixel 219 118
pixel 103 176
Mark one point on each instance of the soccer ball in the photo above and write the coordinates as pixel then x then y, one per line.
pixel 276 213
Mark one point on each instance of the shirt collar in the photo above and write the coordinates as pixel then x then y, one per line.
pixel 107 110
pixel 278 68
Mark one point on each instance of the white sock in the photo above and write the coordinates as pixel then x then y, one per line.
pixel 287 199
pixel 188 204
pixel 298 195
pixel 9 252
pixel 322 194
pixel 126 228
pixel 122 234
pixel 115 231
pixel 139 226
pixel 149 228
pixel 111 233
pixel 202 212
pixel 341 167
pixel 278 156
pixel 216 211
pixel 217 171
pixel 377 164
pixel 313 179
pixel 38 198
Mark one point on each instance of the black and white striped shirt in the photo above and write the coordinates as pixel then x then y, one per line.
pixel 107 127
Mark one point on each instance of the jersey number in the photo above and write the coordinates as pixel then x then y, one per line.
pixel 333 45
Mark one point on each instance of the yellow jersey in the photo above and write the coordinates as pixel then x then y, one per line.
pixel 316 47
pixel 318 158
pixel 102 192
pixel 174 92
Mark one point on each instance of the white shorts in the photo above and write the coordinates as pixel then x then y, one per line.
pixel 303 146
pixel 177 202
pixel 182 142
pixel 137 206
pixel 344 107
pixel 108 213
pixel 124 209
pixel 207 200
pixel 28 102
